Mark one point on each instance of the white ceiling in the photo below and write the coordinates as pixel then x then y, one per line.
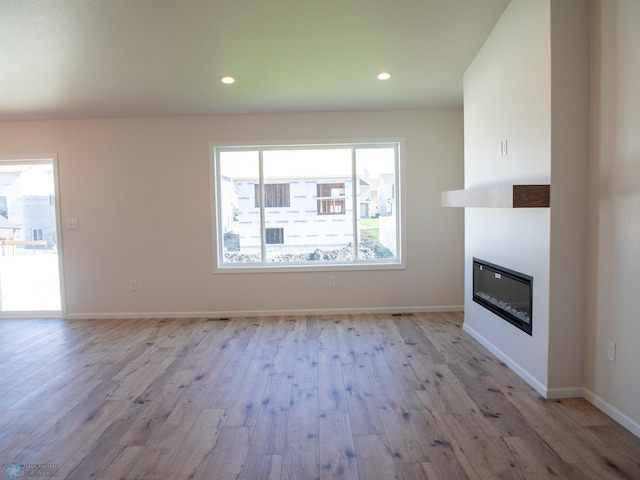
pixel 111 58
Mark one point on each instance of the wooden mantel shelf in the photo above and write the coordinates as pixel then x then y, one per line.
pixel 506 196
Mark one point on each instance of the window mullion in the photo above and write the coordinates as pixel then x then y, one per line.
pixel 354 201
pixel 263 230
pixel 396 198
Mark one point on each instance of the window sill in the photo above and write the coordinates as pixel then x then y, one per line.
pixel 305 268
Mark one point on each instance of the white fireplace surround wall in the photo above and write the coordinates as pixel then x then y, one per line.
pixel 539 104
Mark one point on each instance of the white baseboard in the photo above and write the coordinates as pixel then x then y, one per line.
pixel 566 392
pixel 617 415
pixel 263 313
pixel 26 315
pixel 513 365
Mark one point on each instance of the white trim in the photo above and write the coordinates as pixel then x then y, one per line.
pixel 58 206
pixel 42 158
pixel 565 392
pixel 613 412
pixel 552 393
pixel 400 260
pixel 298 267
pixel 526 376
pixel 309 142
pixel 31 314
pixel 263 313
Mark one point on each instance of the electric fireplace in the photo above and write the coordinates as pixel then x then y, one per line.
pixel 505 292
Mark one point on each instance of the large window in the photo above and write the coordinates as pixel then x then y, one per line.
pixel 307 205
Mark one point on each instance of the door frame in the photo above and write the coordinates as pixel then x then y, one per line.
pixel 50 158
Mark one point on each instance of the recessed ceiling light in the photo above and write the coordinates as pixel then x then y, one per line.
pixel 384 76
pixel 228 79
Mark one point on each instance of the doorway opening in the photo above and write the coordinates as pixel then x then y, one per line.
pixel 29 238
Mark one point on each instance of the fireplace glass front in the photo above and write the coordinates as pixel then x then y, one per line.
pixel 505 292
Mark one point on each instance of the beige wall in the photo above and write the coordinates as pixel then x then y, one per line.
pixel 614 211
pixel 140 190
pixel 569 21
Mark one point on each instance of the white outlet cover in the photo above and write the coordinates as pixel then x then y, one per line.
pixel 611 351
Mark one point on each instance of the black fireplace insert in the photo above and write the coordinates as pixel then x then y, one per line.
pixel 505 292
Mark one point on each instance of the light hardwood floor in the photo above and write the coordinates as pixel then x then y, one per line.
pixel 318 397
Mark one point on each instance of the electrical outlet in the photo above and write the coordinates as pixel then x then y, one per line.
pixel 332 281
pixel 72 223
pixel 133 285
pixel 611 351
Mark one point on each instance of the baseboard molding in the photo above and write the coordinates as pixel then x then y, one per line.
pixel 552 393
pixel 568 392
pixel 613 412
pixel 513 365
pixel 263 313
pixel 31 315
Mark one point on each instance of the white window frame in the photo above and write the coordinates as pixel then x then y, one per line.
pixel 399 262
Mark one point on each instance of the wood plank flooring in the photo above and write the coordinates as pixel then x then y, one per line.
pixel 318 397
